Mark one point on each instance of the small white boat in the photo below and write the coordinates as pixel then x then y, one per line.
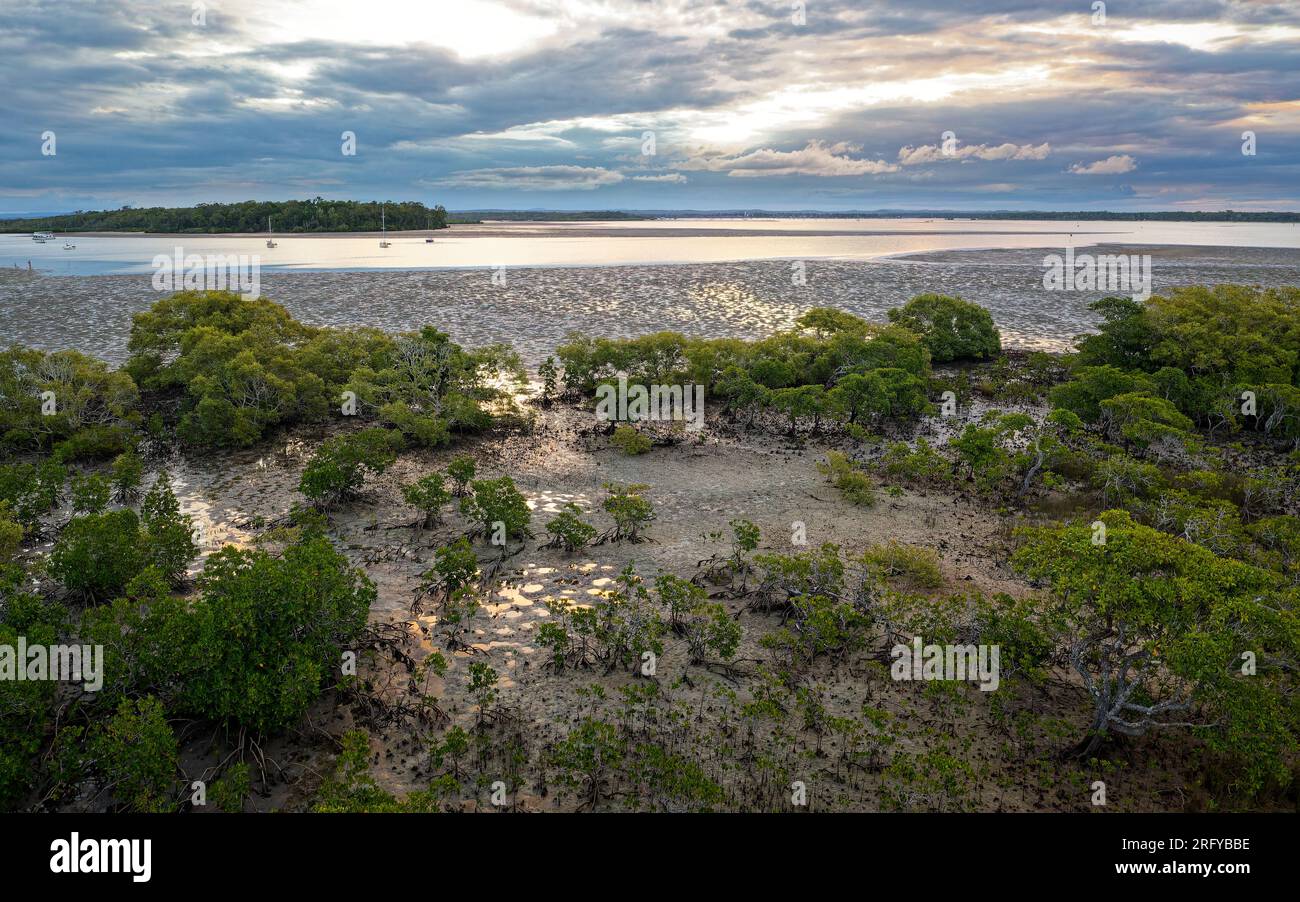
pixel 69 247
pixel 270 242
pixel 42 236
pixel 383 226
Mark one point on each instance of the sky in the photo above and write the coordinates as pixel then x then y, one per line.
pixel 653 104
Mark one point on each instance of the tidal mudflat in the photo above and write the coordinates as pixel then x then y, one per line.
pixel 718 623
pixel 536 308
pixel 697 486
pixel 518 686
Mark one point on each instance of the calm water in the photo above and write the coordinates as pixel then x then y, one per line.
pixel 612 279
pixel 629 243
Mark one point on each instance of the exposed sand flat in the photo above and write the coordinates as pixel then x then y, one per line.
pixel 1166 254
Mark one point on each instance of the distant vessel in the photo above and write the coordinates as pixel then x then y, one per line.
pixel 383 227
pixel 270 242
pixel 42 236
pixel 430 222
pixel 67 246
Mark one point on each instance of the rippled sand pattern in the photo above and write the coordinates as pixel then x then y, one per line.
pixel 536 308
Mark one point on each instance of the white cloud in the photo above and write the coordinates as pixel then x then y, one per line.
pixel 674 177
pixel 1113 165
pixel 932 153
pixel 817 159
pixel 534 178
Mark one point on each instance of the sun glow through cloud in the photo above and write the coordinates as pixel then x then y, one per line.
pixel 810 104
pixel 471 29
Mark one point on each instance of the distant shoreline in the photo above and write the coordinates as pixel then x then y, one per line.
pixel 657 221
pixel 278 236
pixel 1242 216
pixel 690 227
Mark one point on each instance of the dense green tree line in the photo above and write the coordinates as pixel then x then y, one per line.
pixel 237 368
pixel 315 215
pixel 216 370
pixel 831 366
pixel 64 402
pixel 1226 356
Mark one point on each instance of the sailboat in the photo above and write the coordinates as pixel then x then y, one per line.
pixel 430 222
pixel 383 226
pixel 270 242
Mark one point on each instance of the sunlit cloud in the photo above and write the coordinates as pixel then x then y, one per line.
pixel 933 153
pixel 669 177
pixel 1112 165
pixel 534 178
pixel 817 159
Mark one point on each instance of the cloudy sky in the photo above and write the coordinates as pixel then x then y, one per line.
pixel 653 104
